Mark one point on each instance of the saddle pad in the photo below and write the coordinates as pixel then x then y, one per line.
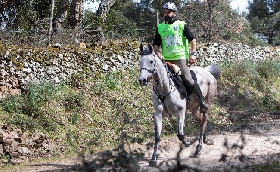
pixel 174 71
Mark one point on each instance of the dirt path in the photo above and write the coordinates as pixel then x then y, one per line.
pixel 254 144
pixel 231 150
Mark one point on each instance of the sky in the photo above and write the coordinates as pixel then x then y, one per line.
pixel 91 6
pixel 239 4
pixel 235 4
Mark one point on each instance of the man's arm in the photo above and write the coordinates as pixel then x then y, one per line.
pixel 190 36
pixel 157 52
pixel 192 58
pixel 193 45
pixel 156 45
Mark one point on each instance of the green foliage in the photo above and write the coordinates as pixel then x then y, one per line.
pixel 258 8
pixel 267 101
pixel 24 14
pixel 5 158
pixel 246 36
pixel 49 108
pixel 118 26
pixel 37 95
pixel 269 69
pixel 252 82
pixel 112 80
pixel 97 87
pixel 32 101
pixel 243 73
pixel 29 110
pixel 77 80
pixel 264 16
pixel 13 104
pixel 74 101
pixel 107 109
pixel 215 21
pixel 131 20
pixel 143 15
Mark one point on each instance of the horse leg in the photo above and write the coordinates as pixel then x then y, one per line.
pixel 180 135
pixel 158 128
pixel 202 135
pixel 205 141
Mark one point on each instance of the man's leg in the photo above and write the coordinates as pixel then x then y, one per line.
pixel 186 75
pixel 196 90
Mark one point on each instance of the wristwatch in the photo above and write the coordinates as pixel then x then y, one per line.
pixel 193 53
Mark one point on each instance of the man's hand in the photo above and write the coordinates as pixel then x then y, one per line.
pixel 157 52
pixel 160 56
pixel 192 59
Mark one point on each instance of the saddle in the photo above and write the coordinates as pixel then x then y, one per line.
pixel 175 75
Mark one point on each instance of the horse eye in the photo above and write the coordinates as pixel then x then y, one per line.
pixel 151 62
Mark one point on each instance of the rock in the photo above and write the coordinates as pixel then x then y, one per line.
pixel 120 59
pixel 56 45
pixel 83 45
pixel 23 150
pixel 15 92
pixel 27 70
pixel 56 80
pixel 21 146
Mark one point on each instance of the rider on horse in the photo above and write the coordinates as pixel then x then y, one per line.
pixel 174 36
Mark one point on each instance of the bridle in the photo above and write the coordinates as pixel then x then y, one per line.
pixel 149 70
pixel 172 87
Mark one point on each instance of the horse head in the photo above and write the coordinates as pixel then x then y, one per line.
pixel 147 64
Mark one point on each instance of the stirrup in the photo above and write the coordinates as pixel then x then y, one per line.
pixel 203 107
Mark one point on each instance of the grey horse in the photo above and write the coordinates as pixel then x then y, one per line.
pixel 170 99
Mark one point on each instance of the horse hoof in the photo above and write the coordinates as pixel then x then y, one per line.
pixel 153 163
pixel 196 155
pixel 209 142
pixel 186 142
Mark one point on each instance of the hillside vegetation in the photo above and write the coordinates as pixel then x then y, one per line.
pixel 89 114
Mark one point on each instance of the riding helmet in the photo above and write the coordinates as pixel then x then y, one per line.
pixel 170 6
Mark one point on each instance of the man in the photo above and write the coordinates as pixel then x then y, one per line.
pixel 174 36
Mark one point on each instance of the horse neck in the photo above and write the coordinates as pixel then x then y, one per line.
pixel 161 80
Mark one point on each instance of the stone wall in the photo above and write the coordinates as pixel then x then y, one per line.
pixel 20 66
pixel 216 53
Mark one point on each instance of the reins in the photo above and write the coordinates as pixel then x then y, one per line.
pixel 171 89
pixel 162 97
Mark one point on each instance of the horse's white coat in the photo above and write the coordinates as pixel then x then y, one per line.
pixel 168 99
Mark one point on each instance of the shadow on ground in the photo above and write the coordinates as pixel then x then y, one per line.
pixel 131 157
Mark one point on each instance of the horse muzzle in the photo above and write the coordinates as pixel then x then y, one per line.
pixel 144 81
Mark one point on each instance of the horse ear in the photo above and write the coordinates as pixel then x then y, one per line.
pixel 150 48
pixel 141 48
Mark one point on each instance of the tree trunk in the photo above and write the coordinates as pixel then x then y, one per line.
pixel 76 13
pixel 4 4
pixel 104 8
pixel 270 38
pixel 51 23
pixel 61 14
pixel 157 19
pixel 102 11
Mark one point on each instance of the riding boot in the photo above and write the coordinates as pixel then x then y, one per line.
pixel 196 90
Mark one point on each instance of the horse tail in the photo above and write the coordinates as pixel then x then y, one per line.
pixel 214 70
